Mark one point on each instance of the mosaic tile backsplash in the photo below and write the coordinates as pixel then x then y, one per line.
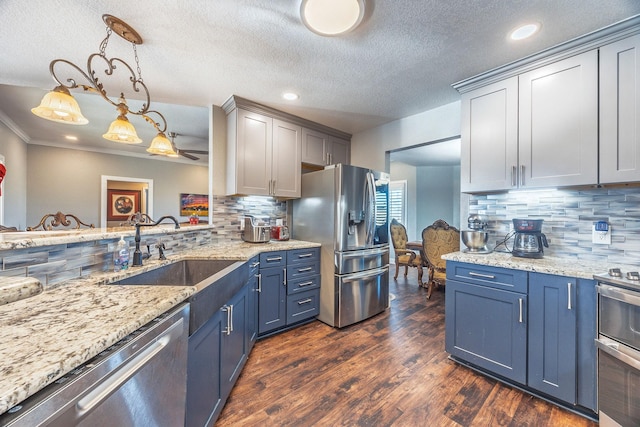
pixel 55 264
pixel 568 217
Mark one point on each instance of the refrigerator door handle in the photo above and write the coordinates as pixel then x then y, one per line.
pixel 371 208
pixel 364 274
pixel 364 252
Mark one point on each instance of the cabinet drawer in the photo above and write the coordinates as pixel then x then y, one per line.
pixel 303 284
pixel 302 270
pixel 273 259
pixel 298 256
pixel 494 277
pixel 303 306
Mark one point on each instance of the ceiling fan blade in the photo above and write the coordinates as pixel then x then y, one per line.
pixel 187 155
pixel 195 151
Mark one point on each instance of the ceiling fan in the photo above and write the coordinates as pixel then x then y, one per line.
pixel 185 153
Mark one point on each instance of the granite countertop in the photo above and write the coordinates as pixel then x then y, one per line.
pixel 46 335
pixel 583 269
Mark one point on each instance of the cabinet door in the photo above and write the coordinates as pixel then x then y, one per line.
pixel 204 397
pixel 339 151
pixel 620 111
pixel 234 350
pixel 487 327
pixel 272 300
pixel 587 353
pixel 314 147
pixel 253 151
pixel 489 138
pixel 287 159
pixel 552 335
pixel 558 123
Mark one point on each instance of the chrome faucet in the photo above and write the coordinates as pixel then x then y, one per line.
pixel 137 254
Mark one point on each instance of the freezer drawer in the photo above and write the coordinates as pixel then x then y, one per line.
pixel 360 260
pixel 361 295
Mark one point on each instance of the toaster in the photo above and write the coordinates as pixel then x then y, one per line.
pixel 255 230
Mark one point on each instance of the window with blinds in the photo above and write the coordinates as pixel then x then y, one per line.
pixel 398 201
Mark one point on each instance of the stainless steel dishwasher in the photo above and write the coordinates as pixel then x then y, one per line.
pixel 139 381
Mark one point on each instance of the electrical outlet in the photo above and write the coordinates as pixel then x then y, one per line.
pixel 601 233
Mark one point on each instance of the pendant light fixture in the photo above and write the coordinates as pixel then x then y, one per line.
pixel 60 106
pixel 331 17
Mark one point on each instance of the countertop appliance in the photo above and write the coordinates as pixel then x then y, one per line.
pixel 279 232
pixel 475 238
pixel 256 229
pixel 618 348
pixel 121 386
pixel 345 208
pixel 529 241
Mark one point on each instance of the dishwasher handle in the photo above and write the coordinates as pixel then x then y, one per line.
pixel 102 390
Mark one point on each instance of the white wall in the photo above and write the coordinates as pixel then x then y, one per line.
pixel 69 181
pixel 402 171
pixel 368 147
pixel 14 195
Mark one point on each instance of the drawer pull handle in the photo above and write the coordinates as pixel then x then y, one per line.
pixel 569 296
pixel 302 270
pixel 255 264
pixel 484 276
pixel 300 285
pixel 304 255
pixel 278 258
pixel 305 301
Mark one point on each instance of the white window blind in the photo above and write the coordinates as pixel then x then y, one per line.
pixel 398 201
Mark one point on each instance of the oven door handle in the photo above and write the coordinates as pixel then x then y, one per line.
pixel 619 351
pixel 619 294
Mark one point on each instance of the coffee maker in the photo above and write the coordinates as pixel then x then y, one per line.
pixel 529 239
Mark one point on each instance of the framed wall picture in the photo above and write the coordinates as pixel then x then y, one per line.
pixel 122 203
pixel 194 204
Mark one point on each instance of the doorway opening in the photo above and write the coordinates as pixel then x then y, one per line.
pixel 122 196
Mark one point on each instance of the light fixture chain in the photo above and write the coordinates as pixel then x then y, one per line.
pixel 135 54
pixel 105 42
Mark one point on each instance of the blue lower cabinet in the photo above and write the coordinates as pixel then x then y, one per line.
pixel 553 335
pixel 303 305
pixel 541 337
pixel 204 391
pixel 488 328
pixel 272 300
pixel 234 338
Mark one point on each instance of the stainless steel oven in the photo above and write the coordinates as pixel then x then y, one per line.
pixel 618 349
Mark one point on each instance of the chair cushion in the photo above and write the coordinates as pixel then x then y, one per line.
pixel 404 259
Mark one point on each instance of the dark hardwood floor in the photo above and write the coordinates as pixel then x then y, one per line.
pixel 388 370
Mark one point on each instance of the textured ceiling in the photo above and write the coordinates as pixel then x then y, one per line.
pixel 401 61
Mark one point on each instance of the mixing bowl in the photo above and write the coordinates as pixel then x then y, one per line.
pixel 475 240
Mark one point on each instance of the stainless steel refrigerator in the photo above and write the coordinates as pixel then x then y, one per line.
pixel 345 208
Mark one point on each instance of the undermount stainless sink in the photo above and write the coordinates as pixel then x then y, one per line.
pixel 181 273
pixel 216 282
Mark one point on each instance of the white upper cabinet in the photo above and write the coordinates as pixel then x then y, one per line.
pixel 620 111
pixel 314 147
pixel 265 154
pixel 489 143
pixel 558 123
pixel 320 149
pixel 537 129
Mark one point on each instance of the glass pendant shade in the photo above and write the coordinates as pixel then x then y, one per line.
pixel 121 130
pixel 59 106
pixel 161 145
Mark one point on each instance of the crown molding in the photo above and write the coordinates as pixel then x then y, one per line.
pixel 14 127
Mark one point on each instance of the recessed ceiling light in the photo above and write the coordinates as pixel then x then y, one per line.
pixel 524 31
pixel 71 137
pixel 290 96
pixel 331 17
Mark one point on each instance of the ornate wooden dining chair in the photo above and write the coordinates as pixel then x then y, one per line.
pixel 58 219
pixel 137 218
pixel 404 257
pixel 438 239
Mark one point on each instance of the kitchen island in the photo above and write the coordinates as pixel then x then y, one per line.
pixel 50 333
